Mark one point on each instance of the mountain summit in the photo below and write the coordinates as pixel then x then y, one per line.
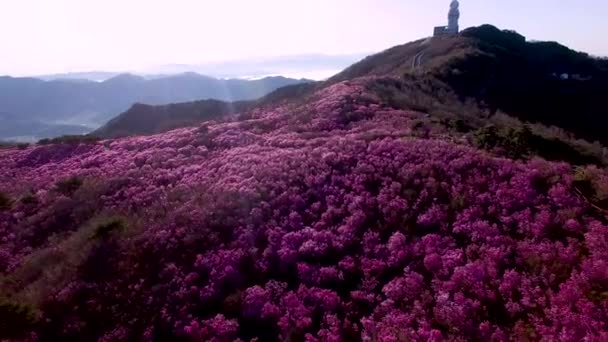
pixel 541 82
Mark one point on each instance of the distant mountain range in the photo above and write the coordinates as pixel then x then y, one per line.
pixel 312 66
pixel 32 108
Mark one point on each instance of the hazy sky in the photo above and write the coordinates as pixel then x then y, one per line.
pixel 44 36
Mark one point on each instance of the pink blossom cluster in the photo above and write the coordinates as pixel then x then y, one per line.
pixel 321 221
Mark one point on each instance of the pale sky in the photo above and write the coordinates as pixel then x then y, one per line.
pixel 52 36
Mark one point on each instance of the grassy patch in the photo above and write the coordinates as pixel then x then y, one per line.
pixel 516 142
pixel 593 185
pixel 521 141
pixel 48 270
pixel 5 201
pixel 15 320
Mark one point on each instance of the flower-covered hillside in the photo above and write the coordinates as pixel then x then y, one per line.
pixel 337 219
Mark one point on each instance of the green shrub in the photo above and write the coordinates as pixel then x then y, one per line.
pixel 459 125
pixel 598 296
pixel 457 203
pixel 107 227
pixel 48 270
pixel 560 150
pixel 487 137
pixel 417 124
pixel 5 201
pixel 16 320
pixel 29 198
pixel 70 139
pixel 520 141
pixel 12 145
pixel 517 141
pixel 592 184
pixel 68 186
pixel 581 175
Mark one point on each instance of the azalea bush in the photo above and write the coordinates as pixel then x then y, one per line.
pixel 330 220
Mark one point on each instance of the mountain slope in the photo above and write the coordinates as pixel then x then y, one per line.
pixel 325 219
pixel 94 103
pixel 143 119
pixel 541 82
pixel 327 214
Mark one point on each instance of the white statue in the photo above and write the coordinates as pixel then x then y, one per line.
pixel 453 17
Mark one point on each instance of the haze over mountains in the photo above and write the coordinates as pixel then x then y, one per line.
pixel 310 66
pixel 31 108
